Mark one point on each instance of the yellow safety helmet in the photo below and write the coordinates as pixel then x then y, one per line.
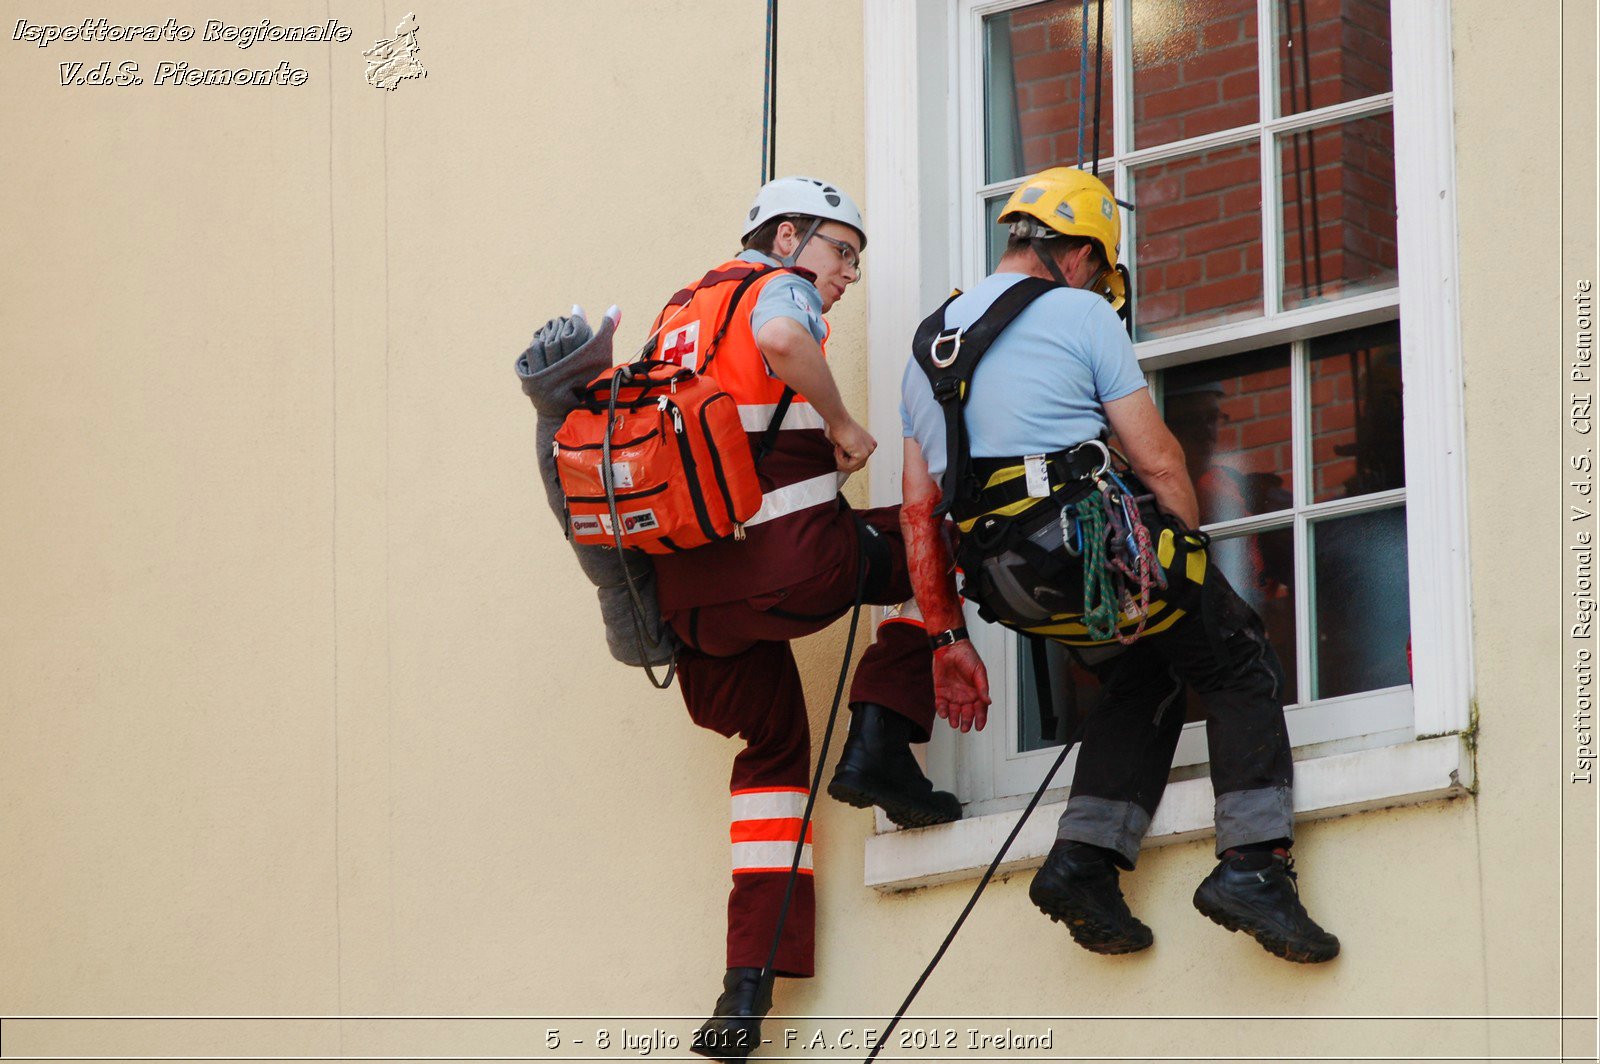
pixel 1071 202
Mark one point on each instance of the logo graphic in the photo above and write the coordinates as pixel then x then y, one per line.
pixel 633 521
pixel 391 62
pixel 639 521
pixel 1105 207
pixel 682 346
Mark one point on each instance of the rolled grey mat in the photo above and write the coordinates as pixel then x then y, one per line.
pixel 565 355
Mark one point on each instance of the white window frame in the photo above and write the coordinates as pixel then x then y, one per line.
pixel 915 206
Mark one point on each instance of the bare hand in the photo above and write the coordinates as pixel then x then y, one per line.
pixel 961 686
pixel 852 445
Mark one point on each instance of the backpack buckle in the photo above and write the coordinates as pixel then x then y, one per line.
pixel 950 337
pixel 947 388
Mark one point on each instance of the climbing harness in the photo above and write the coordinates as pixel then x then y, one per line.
pixel 1069 544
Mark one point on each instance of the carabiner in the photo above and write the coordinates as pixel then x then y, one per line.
pixel 1105 457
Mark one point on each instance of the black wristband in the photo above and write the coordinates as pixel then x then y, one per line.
pixel 945 638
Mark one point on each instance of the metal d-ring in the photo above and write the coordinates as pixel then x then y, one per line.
pixel 955 349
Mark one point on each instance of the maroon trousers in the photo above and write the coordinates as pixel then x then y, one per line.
pixel 738 677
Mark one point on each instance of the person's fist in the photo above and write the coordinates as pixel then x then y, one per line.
pixel 852 446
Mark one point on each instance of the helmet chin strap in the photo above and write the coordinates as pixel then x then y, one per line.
pixel 1049 262
pixel 811 231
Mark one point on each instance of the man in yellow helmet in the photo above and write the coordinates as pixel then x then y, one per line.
pixel 1012 389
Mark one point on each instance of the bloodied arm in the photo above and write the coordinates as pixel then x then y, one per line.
pixel 960 682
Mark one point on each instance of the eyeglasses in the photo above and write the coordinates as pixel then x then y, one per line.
pixel 850 255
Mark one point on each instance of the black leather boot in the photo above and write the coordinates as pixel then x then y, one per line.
pixel 734 1030
pixel 876 767
pixel 1258 893
pixel 1078 886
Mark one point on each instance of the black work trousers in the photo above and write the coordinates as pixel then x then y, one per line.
pixel 1219 649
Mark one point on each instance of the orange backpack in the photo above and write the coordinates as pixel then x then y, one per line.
pixel 681 471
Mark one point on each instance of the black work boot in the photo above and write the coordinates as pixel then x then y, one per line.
pixel 1077 886
pixel 734 1030
pixel 1257 893
pixel 876 767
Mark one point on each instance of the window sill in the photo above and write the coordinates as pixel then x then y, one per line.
pixel 1405 774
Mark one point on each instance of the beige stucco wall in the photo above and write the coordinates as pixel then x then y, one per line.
pixel 303 708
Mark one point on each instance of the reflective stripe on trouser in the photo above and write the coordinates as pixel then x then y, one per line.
pixel 748 686
pixel 765 827
pixel 1129 738
pixel 792 498
pixel 756 695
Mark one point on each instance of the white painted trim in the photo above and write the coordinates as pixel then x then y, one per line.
pixel 1406 774
pixel 1267 159
pixel 1430 345
pixel 1316 319
pixel 894 215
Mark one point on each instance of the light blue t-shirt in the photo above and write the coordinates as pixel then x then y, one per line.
pixel 786 296
pixel 1043 384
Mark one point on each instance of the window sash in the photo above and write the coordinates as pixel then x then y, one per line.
pixel 917 126
pixel 1008 766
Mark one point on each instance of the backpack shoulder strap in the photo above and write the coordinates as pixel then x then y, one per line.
pixel 949 358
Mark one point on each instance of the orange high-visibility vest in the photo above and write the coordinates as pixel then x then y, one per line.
pixel 706 327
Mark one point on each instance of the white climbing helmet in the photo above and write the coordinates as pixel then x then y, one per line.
pixel 803 195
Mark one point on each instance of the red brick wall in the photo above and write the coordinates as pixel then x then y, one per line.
pixel 1199 239
pixel 1356 424
pixel 1194 71
pixel 1045 54
pixel 1198 258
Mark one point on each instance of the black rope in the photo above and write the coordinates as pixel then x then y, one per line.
pixel 1311 152
pixel 1099 53
pixel 973 901
pixel 769 97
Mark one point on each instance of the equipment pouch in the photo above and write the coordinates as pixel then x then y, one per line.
pixel 1023 577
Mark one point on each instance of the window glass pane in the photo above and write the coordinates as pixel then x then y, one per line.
pixel 1073 693
pixel 1032 62
pixel 1330 51
pixel 1198 250
pixel 1361 611
pixel 1194 68
pixel 1357 433
pixel 994 234
pixel 1261 569
pixel 1232 416
pixel 1338 210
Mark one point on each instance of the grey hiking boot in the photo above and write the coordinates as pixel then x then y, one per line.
pixel 1077 886
pixel 1258 893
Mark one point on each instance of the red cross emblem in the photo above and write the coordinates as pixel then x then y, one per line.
pixel 681 345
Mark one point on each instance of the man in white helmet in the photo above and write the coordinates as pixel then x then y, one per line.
pixel 755 324
pixel 1011 390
